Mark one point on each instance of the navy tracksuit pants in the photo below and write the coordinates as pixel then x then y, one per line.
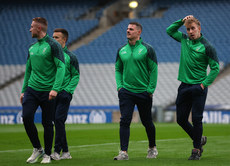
pixel 32 99
pixel 62 106
pixel 127 102
pixel 191 98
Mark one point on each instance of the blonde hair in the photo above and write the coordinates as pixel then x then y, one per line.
pixel 192 20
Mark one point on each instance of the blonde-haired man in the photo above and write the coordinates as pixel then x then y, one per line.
pixel 45 69
pixel 196 55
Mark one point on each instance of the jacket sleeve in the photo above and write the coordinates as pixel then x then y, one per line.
pixel 214 66
pixel 27 74
pixel 119 72
pixel 75 75
pixel 60 65
pixel 153 70
pixel 172 30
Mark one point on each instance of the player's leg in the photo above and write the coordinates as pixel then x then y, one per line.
pixel 126 108
pixel 199 98
pixel 126 104
pixel 29 107
pixel 48 108
pixel 144 105
pixel 183 108
pixel 62 107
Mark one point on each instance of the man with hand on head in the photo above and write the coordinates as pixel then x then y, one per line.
pixel 196 55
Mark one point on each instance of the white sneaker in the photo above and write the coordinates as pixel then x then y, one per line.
pixel 55 156
pixel 65 155
pixel 122 156
pixel 37 153
pixel 152 153
pixel 46 159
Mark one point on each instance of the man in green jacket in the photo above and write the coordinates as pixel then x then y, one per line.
pixel 196 54
pixel 45 69
pixel 136 78
pixel 64 98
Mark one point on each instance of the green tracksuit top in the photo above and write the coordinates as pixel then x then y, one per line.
pixel 45 66
pixel 136 68
pixel 72 72
pixel 195 57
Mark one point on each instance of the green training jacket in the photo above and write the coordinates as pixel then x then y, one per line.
pixel 195 57
pixel 136 68
pixel 45 66
pixel 72 72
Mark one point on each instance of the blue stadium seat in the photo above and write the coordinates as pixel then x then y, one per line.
pixel 17 19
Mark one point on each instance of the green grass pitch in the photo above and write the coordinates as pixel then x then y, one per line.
pixel 97 144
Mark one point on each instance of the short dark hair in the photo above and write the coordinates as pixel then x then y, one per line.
pixel 137 24
pixel 63 31
pixel 42 21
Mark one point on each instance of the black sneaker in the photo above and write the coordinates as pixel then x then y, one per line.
pixel 203 142
pixel 195 154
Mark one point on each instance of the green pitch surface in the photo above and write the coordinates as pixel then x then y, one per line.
pixel 97 144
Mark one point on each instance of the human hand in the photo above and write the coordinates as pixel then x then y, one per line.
pixel 202 86
pixel 187 17
pixel 52 95
pixel 21 97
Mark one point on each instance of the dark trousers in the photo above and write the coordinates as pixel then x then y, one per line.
pixel 127 102
pixel 62 106
pixel 191 98
pixel 32 99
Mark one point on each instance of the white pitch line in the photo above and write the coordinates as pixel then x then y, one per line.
pixel 92 145
pixel 143 141
pixel 12 151
pixel 166 140
pixel 84 146
pixel 104 144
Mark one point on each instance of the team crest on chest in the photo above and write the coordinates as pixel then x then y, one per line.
pixel 198 48
pixel 139 51
pixel 44 50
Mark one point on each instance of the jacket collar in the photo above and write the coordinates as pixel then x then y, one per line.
pixel 197 40
pixel 44 38
pixel 138 42
pixel 65 48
